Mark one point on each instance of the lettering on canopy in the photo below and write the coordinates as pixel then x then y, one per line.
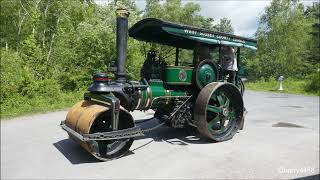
pixel 211 35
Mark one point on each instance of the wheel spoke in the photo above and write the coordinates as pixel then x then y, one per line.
pixel 213 97
pixel 213 109
pixel 227 103
pixel 220 100
pixel 222 121
pixel 213 122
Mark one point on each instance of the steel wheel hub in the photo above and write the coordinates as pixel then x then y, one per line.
pixel 225 112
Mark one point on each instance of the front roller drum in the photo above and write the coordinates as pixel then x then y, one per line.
pixel 88 117
pixel 219 111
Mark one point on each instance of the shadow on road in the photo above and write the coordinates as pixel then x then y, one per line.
pixel 77 155
pixel 172 135
pixel 73 152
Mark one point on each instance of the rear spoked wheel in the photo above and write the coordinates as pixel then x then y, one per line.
pixel 240 85
pixel 218 111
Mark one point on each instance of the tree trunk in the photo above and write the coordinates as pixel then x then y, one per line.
pixel 44 25
pixel 19 30
pixel 51 44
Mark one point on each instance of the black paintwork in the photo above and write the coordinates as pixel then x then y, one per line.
pixel 122 28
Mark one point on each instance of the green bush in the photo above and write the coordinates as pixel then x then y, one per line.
pixel 45 88
pixel 313 83
pixel 13 75
pixel 19 105
pixel 73 81
pixel 67 82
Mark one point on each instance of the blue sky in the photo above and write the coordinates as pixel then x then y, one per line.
pixel 244 14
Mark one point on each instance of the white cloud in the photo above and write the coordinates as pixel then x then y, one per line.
pixel 244 14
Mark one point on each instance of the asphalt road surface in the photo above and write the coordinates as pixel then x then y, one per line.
pixel 280 140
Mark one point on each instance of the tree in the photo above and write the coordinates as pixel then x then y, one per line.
pixel 282 35
pixel 188 14
pixel 50 47
pixel 312 14
pixel 225 26
pixel 175 11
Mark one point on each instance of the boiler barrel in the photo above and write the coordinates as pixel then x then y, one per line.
pixel 155 95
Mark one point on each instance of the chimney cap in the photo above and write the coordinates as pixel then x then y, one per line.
pixel 122 10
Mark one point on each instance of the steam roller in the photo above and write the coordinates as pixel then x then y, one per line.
pixel 199 96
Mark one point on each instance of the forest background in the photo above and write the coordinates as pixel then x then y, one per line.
pixel 50 49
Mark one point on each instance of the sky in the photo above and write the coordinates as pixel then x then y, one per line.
pixel 244 14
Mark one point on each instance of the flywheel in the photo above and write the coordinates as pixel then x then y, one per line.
pixel 205 72
pixel 218 111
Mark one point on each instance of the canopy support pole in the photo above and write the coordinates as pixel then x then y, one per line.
pixel 238 64
pixel 238 57
pixel 221 61
pixel 176 63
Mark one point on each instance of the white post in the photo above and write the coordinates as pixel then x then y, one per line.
pixel 280 79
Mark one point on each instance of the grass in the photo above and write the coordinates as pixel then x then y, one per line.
pixel 19 105
pixel 291 86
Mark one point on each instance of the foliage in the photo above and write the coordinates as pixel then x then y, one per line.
pixel 283 35
pixel 13 75
pixel 20 105
pixel 312 14
pixel 50 49
pixel 313 83
pixel 286 42
pixel 225 25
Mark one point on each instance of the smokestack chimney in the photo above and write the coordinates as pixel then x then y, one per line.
pixel 122 28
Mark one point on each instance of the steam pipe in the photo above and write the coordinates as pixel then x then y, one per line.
pixel 122 28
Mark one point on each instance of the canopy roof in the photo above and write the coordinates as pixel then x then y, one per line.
pixel 183 36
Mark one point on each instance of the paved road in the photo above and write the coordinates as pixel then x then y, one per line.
pixel 35 147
